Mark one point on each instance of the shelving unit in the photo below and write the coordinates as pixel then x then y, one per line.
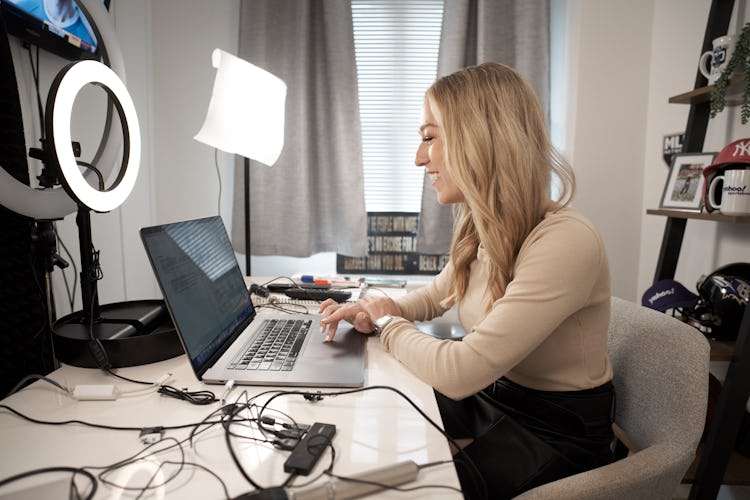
pixel 713 216
pixel 703 94
pixel 716 462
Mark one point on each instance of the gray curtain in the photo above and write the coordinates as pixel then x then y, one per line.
pixel 512 32
pixel 312 199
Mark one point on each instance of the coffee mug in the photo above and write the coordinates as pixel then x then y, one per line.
pixel 735 192
pixel 723 48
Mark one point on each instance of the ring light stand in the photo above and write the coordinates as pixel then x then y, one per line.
pixel 112 335
pixel 125 333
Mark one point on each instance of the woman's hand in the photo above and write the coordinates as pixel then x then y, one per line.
pixel 361 314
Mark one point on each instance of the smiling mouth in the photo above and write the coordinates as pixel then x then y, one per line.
pixel 433 176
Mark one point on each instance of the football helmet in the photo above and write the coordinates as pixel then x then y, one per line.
pixel 724 297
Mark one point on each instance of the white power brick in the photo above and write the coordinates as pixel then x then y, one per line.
pixel 95 392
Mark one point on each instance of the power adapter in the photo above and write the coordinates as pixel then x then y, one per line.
pixel 310 448
pixel 95 392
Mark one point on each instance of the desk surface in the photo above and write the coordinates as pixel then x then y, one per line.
pixel 374 428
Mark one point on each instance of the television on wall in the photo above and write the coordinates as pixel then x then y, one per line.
pixel 58 26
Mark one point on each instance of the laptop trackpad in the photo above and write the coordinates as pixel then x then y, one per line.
pixel 347 342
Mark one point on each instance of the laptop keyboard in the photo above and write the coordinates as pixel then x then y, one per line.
pixel 275 347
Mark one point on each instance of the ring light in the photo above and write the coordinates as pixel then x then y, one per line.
pixel 48 204
pixel 65 88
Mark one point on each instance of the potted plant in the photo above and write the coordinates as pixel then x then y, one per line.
pixel 740 60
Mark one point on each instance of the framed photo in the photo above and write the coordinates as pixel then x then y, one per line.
pixel 684 188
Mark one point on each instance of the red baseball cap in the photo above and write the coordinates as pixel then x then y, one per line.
pixel 737 152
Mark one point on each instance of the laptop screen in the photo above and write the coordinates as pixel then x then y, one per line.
pixel 198 274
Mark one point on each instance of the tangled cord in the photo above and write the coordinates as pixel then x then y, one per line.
pixel 193 397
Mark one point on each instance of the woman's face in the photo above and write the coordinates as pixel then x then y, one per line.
pixel 430 156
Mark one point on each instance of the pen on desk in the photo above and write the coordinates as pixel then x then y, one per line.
pixel 328 281
pixel 308 278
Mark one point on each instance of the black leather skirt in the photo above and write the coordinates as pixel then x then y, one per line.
pixel 523 438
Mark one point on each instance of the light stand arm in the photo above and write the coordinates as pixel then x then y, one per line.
pixel 89 268
pixel 247 217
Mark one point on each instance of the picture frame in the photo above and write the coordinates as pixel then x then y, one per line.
pixel 684 187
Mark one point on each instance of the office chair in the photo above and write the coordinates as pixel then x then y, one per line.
pixel 661 382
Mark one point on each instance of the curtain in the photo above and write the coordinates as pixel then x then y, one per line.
pixel 511 32
pixel 312 199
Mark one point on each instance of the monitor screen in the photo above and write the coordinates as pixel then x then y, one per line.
pixel 57 26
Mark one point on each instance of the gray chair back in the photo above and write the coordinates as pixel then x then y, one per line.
pixel 661 381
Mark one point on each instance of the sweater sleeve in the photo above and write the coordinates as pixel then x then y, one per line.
pixel 558 269
pixel 424 303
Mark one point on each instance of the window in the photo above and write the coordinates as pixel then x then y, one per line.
pixel 396 45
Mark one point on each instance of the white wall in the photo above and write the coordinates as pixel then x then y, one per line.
pixel 677 38
pixel 608 93
pixel 184 36
pixel 625 60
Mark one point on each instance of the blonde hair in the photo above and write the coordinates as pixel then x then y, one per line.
pixel 499 154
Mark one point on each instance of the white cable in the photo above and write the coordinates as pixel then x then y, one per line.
pixel 227 388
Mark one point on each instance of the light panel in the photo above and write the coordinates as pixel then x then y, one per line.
pixel 246 112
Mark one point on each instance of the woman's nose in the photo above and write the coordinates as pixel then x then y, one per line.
pixel 422 157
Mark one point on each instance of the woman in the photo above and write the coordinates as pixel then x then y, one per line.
pixel 527 394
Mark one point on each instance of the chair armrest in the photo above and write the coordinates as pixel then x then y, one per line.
pixel 653 473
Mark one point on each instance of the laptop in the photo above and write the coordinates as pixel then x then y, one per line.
pixel 216 321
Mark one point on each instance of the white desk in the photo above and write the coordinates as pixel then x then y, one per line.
pixel 374 428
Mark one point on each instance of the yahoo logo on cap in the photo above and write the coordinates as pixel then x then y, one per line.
pixel 660 295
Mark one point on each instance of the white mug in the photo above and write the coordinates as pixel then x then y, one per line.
pixel 723 48
pixel 735 192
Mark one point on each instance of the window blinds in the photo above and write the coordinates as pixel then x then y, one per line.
pixel 396 45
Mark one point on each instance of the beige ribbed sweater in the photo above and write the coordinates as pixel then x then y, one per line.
pixel 548 332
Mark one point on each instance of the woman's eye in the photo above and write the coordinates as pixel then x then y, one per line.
pixel 426 139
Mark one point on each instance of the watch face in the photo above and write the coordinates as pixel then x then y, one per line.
pixel 382 321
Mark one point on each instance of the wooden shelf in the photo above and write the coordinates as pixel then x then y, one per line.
pixel 713 216
pixel 737 471
pixel 703 94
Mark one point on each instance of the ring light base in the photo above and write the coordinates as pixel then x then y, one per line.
pixel 132 333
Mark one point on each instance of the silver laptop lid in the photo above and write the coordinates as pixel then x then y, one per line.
pixel 202 284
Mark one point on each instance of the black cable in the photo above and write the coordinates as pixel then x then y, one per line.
pixel 35 376
pixel 71 297
pixel 286 307
pixel 394 488
pixel 227 423
pixel 35 75
pixel 147 452
pixel 47 470
pixel 308 395
pixel 202 467
pixel 103 475
pixel 43 301
pixel 96 171
pixel 94 425
pixel 218 177
pixel 109 371
pixel 98 352
pixel 194 397
pixel 231 412
pixel 316 396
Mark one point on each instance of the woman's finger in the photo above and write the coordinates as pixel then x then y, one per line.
pixel 325 304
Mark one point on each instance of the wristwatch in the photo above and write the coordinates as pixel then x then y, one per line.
pixel 381 322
